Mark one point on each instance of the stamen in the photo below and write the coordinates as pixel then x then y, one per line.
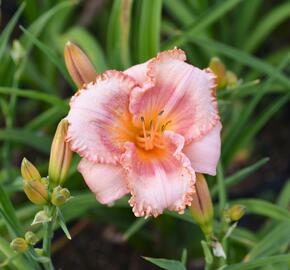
pixel 165 125
pixel 144 131
pixel 152 137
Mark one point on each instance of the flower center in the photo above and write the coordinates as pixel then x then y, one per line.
pixel 151 135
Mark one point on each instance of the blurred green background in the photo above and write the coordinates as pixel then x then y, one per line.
pixel 251 38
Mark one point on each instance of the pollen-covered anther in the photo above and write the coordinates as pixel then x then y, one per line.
pixel 151 136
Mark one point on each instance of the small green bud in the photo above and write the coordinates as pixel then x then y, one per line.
pixel 224 77
pixel 31 238
pixel 36 191
pixel 29 171
pixel 232 79
pixel 60 196
pixel 60 155
pixel 218 68
pixel 19 245
pixel 17 52
pixel 235 213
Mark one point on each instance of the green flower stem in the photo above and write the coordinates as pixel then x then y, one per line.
pixel 48 234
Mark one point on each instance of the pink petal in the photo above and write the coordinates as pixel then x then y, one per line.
pixel 185 93
pixel 99 120
pixel 138 72
pixel 107 181
pixel 161 180
pixel 205 153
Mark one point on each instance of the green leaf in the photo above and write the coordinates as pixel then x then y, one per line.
pixel 135 227
pixel 4 37
pixel 38 141
pixel 266 26
pixel 8 213
pixel 245 17
pixel 166 264
pixel 234 138
pixel 36 28
pixel 238 90
pixel 51 99
pixel 262 119
pixel 272 242
pixel 240 175
pixel 243 58
pixel 207 252
pixel 118 34
pixel 264 208
pixel 244 236
pixel 259 263
pixel 202 22
pixel 61 222
pixel 184 256
pixel 51 55
pixel 148 32
pixel 221 188
pixel 13 228
pixel 284 196
pixel 46 118
pixel 38 25
pixel 180 11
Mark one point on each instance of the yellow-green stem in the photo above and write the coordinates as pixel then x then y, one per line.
pixel 48 234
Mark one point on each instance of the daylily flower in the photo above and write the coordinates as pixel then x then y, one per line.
pixel 147 131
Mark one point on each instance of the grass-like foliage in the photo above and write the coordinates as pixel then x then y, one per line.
pixel 35 88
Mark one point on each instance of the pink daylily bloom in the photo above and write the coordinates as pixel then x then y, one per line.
pixel 147 131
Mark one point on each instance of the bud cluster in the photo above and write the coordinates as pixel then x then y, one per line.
pixel 20 244
pixel 36 188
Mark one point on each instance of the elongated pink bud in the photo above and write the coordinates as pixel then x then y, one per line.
pixel 60 155
pixel 201 207
pixel 78 64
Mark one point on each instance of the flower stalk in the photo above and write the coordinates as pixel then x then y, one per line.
pixel 48 235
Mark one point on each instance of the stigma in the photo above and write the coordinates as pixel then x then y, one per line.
pixel 151 133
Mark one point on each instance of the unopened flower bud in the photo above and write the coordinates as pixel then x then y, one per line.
pixel 201 207
pixel 231 78
pixel 235 213
pixel 218 68
pixel 60 155
pixel 31 238
pixel 60 196
pixel 36 191
pixel 78 64
pixel 19 245
pixel 17 52
pixel 29 171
